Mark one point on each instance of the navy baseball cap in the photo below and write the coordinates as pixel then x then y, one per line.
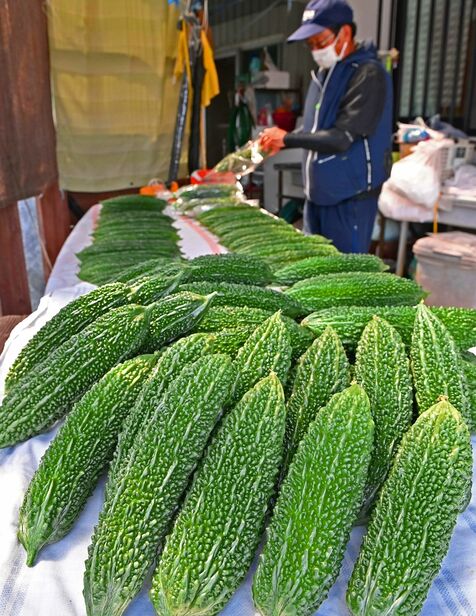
pixel 321 14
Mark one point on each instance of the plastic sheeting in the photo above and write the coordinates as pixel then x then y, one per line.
pixel 115 97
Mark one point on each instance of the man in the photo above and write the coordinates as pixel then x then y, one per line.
pixel 347 128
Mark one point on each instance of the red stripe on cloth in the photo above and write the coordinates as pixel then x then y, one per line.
pixel 206 237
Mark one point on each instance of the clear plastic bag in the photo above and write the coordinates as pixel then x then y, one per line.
pixel 195 205
pixel 243 161
pixel 209 191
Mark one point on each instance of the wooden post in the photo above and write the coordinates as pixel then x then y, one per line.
pixel 54 223
pixel 14 290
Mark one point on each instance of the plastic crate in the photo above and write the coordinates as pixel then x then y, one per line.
pixel 446 268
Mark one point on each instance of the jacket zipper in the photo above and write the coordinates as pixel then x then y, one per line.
pixel 369 163
pixel 312 156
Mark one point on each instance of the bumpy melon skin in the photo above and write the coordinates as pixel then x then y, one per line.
pixel 174 316
pixel 268 349
pixel 349 322
pixel 229 294
pixel 172 361
pixel 383 369
pixel 47 393
pixel 164 266
pixel 74 461
pixel 240 269
pixel 436 365
pixel 317 504
pixel 355 289
pixel 244 320
pixel 231 317
pixel 414 518
pixel 332 264
pixel 321 372
pixel 469 369
pixel 216 534
pixel 70 320
pixel 138 512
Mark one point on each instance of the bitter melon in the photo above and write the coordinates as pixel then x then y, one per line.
pixel 105 269
pixel 218 318
pixel 136 516
pixel 383 370
pixel 230 341
pixel 174 316
pixel 218 530
pixel 355 289
pixel 317 504
pixel 295 249
pixel 262 237
pixel 229 294
pixel 349 322
pixel 133 203
pixel 149 289
pixel 414 517
pixel 101 249
pixel 321 372
pixel 268 349
pixel 234 237
pixel 436 365
pixel 332 264
pixel 72 464
pixel 70 320
pixel 229 268
pixel 228 318
pixel 286 257
pixel 469 369
pixel 48 392
pixel 147 268
pixel 172 361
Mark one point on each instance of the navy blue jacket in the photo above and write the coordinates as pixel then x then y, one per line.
pixel 330 179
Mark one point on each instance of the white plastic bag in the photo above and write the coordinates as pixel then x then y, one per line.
pixel 395 206
pixel 418 176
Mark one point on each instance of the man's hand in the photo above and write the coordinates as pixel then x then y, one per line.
pixel 272 139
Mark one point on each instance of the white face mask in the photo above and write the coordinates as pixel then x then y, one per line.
pixel 327 57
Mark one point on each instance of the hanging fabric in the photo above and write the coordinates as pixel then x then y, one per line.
pixel 112 72
pixel 195 61
pixel 196 115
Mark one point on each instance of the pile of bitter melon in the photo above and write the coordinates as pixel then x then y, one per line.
pixel 131 229
pixel 216 413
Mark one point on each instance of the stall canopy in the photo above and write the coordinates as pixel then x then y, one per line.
pixel 27 137
pixel 115 97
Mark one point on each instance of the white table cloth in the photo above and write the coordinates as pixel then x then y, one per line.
pixel 53 587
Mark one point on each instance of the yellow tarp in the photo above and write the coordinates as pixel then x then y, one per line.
pixel 115 97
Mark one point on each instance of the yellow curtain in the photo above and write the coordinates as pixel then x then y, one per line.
pixel 115 97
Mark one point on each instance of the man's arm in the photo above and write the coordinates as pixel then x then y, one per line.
pixel 359 113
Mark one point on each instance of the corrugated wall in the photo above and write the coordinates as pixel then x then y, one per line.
pixel 241 24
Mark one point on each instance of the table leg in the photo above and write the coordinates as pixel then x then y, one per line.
pixel 280 191
pixel 402 248
pixel 381 239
